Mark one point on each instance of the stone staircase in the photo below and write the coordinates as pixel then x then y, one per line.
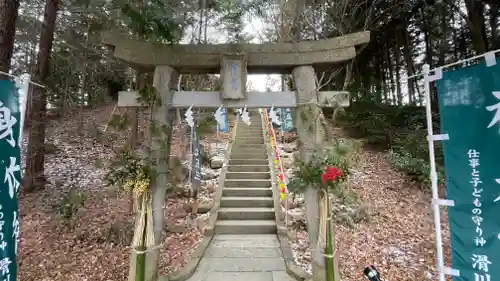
pixel 247 205
pixel 245 246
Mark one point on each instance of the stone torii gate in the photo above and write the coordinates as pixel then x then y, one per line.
pixel 234 62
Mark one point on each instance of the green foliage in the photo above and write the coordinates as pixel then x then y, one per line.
pixel 340 154
pixel 129 171
pixel 346 208
pixel 156 21
pixel 119 121
pixel 416 168
pixel 401 130
pixel 68 205
pixel 148 96
pixel 125 167
pixel 232 20
pixel 205 126
pixel 205 157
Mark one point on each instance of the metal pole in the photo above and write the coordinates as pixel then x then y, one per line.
pixel 434 187
pixel 29 81
pixel 191 135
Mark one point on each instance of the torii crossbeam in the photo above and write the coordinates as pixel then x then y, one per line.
pixel 234 62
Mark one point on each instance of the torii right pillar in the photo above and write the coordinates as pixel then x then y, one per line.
pixel 308 123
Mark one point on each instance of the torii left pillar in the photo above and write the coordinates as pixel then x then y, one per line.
pixel 165 79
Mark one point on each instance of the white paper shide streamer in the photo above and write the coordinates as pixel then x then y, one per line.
pixel 22 85
pixel 274 117
pixel 189 117
pixel 219 116
pixel 245 117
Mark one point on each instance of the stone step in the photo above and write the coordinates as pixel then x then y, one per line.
pixel 248 149
pixel 263 183
pixel 247 175
pixel 248 168
pixel 244 202
pixel 247 191
pixel 248 155
pixel 250 145
pixel 246 214
pixel 246 141
pixel 259 153
pixel 249 130
pixel 249 140
pixel 245 227
pixel 253 124
pixel 249 135
pixel 254 130
pixel 258 147
pixel 248 161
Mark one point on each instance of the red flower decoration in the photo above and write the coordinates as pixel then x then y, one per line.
pixel 331 174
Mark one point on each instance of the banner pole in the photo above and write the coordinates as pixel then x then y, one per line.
pixel 190 153
pixel 434 186
pixel 24 84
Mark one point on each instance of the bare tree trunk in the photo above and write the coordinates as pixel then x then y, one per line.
pixel 83 84
pixel 427 40
pixel 476 23
pixel 456 57
pixel 348 76
pixel 34 178
pixel 399 93
pixel 8 17
pixel 383 78
pixel 443 42
pixel 495 43
pixel 32 55
pixel 409 66
pixel 391 76
pixel 378 81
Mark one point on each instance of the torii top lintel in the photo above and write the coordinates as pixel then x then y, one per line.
pixel 260 58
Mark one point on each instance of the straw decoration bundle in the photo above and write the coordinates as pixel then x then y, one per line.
pixel 144 233
pixel 323 219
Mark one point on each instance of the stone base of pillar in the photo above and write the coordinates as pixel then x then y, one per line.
pixel 318 270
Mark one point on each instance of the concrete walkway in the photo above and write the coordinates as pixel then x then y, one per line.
pixel 253 257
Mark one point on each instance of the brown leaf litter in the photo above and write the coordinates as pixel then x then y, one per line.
pixel 96 247
pixel 399 238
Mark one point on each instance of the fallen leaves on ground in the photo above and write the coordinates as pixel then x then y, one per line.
pixel 96 247
pixel 399 240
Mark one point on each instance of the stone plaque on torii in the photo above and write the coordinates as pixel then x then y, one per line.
pixel 234 62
